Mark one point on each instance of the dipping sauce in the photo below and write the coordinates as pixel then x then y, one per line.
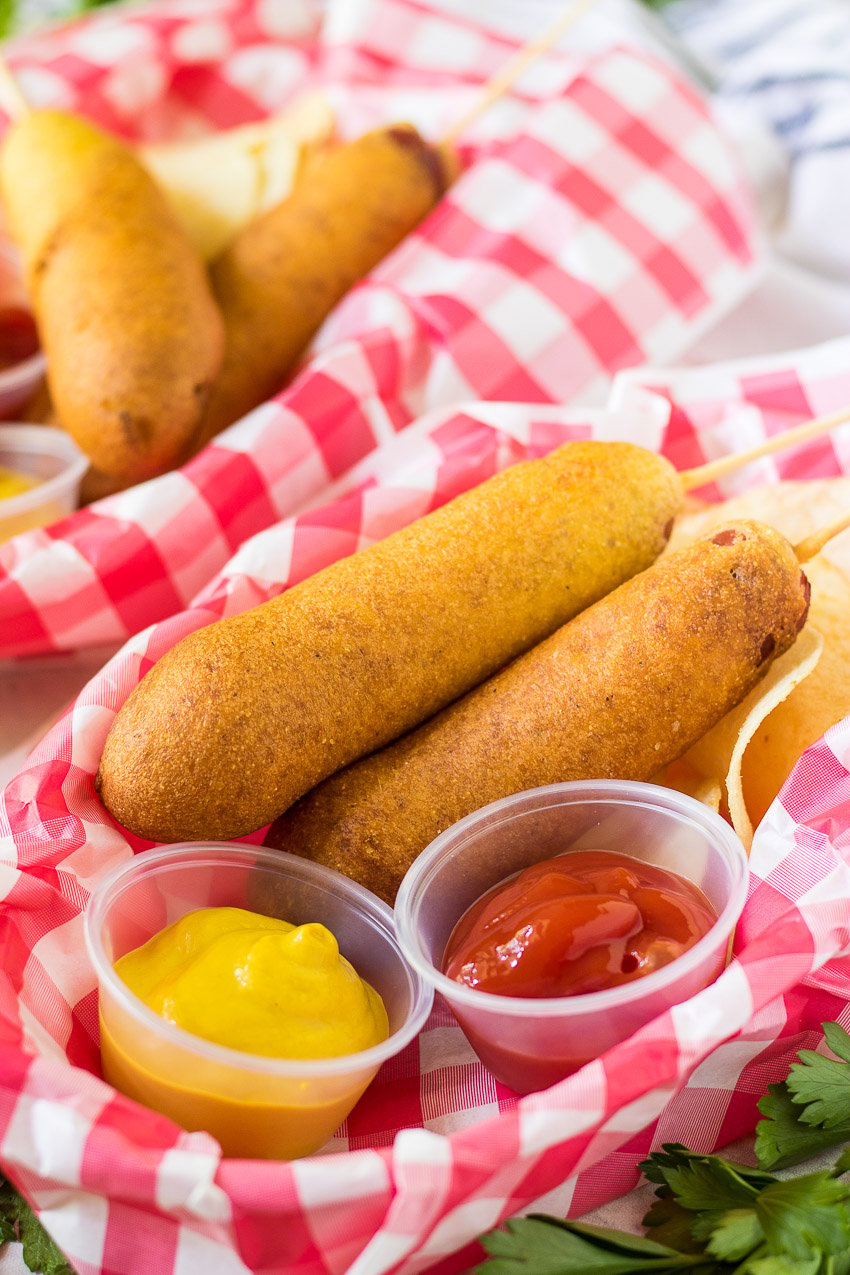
pixel 580 922
pixel 18 336
pixel 262 987
pixel 13 483
pixel 258 984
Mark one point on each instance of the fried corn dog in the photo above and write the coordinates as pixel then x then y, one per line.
pixel 617 693
pixel 240 719
pixel 126 317
pixel 281 276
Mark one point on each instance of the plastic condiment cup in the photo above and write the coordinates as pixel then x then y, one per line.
pixel 528 1043
pixel 51 457
pixel 255 1106
pixel 19 382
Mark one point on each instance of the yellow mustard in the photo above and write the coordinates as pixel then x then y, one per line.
pixel 256 984
pixel 13 483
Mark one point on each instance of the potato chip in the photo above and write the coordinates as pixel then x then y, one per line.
pixel 794 508
pixel 721 751
pixel 816 704
pixel 757 745
pixel 791 675
pixel 217 183
pixel 686 778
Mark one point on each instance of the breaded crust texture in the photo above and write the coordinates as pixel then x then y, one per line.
pixel 283 274
pixel 617 693
pixel 240 719
pixel 126 316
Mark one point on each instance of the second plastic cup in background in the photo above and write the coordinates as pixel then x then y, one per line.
pixel 52 458
pixel 530 1044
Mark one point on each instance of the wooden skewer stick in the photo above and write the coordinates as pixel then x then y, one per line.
pixel 12 99
pixel 514 68
pixel 812 545
pixel 796 437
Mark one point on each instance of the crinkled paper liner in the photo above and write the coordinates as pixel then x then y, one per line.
pixel 384 423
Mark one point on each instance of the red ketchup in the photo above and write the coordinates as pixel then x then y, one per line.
pixel 581 922
pixel 18 336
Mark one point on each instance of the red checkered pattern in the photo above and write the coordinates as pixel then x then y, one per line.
pixel 604 228
pixel 436 1151
pixel 595 228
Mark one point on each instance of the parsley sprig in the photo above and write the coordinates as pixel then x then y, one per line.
pixel 810 1111
pixel 712 1215
pixel 19 1223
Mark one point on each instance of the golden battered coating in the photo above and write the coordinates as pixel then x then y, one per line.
pixel 283 274
pixel 617 693
pixel 125 313
pixel 242 718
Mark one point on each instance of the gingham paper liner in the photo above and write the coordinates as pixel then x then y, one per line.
pixel 600 226
pixel 436 1152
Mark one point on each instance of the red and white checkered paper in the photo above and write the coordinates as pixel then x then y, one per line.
pixel 541 276
pixel 595 227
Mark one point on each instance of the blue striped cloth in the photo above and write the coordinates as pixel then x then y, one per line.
pixel 790 57
pixel 786 64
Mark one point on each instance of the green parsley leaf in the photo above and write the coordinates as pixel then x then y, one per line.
pixel 9 1205
pixel 732 1235
pixel 8 11
pixel 712 1215
pixel 706 1181
pixel 674 1156
pixel 671 1156
pixel 782 1139
pixel 772 1265
pixel 804 1216
pixel 40 1252
pixel 18 1222
pixel 837 1039
pixel 671 1224
pixel 822 1086
pixel 539 1245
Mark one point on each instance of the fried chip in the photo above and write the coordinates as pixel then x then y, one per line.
pixel 794 508
pixel 756 746
pixel 219 182
pixel 786 677
pixel 721 752
pixel 815 705
pixel 685 777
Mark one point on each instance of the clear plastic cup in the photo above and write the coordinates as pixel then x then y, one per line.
pixel 529 1044
pixel 255 1106
pixel 52 457
pixel 19 383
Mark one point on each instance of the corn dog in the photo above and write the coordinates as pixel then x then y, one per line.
pixel 618 692
pixel 126 317
pixel 283 273
pixel 240 719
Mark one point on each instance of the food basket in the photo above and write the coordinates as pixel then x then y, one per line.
pixel 547 271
